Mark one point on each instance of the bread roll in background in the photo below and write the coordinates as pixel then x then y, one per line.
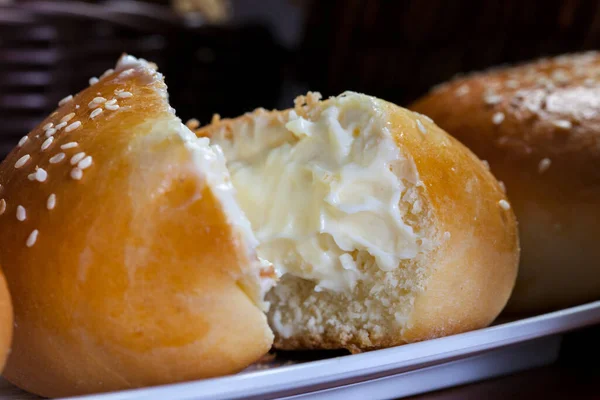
pixel 129 262
pixel 538 126
pixel 385 229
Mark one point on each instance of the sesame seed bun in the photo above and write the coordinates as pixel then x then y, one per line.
pixel 385 229
pixel 128 259
pixel 538 126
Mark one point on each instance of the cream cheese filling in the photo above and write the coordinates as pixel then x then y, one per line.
pixel 318 189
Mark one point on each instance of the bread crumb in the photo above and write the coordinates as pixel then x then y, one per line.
pixel 311 99
pixel 192 124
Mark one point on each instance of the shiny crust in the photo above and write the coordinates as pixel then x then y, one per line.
pixel 6 321
pixel 546 150
pixel 136 275
pixel 473 270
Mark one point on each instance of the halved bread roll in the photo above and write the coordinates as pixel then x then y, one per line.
pixel 384 229
pixel 129 261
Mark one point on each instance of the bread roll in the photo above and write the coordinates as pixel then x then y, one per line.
pixel 384 229
pixel 538 126
pixel 129 262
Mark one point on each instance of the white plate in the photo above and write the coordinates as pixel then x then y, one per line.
pixel 389 373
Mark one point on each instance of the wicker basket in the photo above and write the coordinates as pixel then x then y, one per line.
pixel 49 49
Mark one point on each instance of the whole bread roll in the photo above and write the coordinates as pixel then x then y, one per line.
pixel 385 230
pixel 538 126
pixel 129 262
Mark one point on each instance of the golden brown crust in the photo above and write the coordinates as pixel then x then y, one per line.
pixel 538 126
pixel 474 268
pixel 134 278
pixel 6 321
pixel 476 265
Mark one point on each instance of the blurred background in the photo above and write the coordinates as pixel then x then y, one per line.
pixel 231 56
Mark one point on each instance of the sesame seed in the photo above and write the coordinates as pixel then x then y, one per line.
pixel 486 164
pixel 48 126
pixel 85 163
pixel 421 127
pixel 124 95
pixel 67 117
pixel 462 90
pixel 127 72
pixel 77 106
pixel 96 112
pixel 426 118
pixel 21 161
pixel 544 164
pixel 77 157
pixel 65 100
pixel 23 140
pixel 41 175
pixel 2 206
pixel 96 102
pixel 60 126
pixel 112 107
pixel 107 72
pixel 31 176
pixel 73 126
pixel 47 143
pixel 93 80
pixel 76 173
pixel 497 118
pixel 51 202
pixel 50 132
pixel 502 186
pixel 505 205
pixel 563 124
pixel 447 235
pixel 492 99
pixel 57 158
pixel 32 238
pixel 69 145
pixel 111 102
pixel 21 213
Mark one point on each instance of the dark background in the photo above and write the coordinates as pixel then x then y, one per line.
pixel 266 52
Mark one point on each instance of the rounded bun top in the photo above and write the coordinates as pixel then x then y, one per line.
pixel 538 126
pixel 545 110
pixel 129 260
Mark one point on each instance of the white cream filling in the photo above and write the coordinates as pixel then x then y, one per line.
pixel 321 189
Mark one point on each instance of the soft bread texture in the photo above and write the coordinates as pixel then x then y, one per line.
pixel 538 126
pixel 143 270
pixel 453 234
